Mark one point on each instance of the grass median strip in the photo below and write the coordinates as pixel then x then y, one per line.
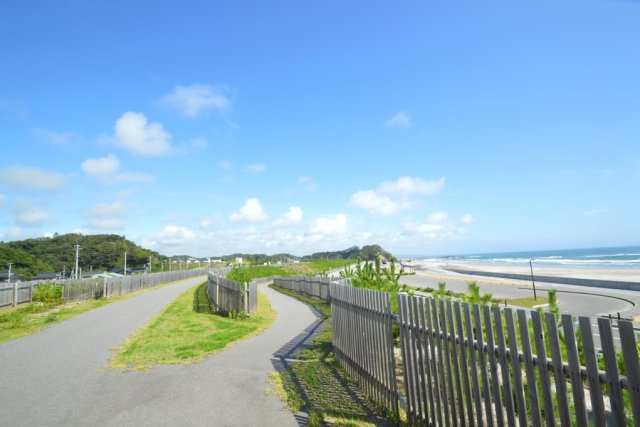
pixel 319 386
pixel 28 319
pixel 186 332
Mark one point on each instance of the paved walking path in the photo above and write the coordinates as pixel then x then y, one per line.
pixel 57 377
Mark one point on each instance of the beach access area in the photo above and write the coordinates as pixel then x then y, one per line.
pixel 580 291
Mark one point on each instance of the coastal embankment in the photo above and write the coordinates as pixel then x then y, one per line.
pixel 597 278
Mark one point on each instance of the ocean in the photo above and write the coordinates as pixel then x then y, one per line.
pixel 627 257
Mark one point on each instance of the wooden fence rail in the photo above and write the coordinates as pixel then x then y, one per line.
pixel 318 287
pixel 84 289
pixel 468 365
pixel 479 365
pixel 230 296
pixel 363 342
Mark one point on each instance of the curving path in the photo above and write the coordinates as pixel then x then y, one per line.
pixel 57 377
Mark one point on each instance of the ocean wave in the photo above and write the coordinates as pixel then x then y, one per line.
pixel 559 261
pixel 609 255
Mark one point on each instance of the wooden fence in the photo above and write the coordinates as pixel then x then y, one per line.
pixel 467 365
pixel 363 342
pixel 318 287
pixel 230 296
pixel 84 289
pixel 472 365
pixel 16 293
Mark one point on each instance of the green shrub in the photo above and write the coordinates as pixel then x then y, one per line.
pixel 47 293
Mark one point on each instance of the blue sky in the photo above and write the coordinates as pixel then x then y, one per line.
pixel 426 127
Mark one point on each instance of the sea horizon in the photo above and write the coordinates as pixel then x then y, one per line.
pixel 621 257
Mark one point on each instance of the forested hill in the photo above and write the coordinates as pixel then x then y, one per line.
pixel 368 252
pixel 98 252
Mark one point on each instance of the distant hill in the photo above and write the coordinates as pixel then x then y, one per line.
pixel 25 265
pixel 368 252
pixel 98 252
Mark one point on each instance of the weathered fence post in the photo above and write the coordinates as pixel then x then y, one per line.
pixel 30 292
pixel 217 293
pixel 15 294
pixel 245 302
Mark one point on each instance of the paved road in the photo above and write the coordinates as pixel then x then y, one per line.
pixel 57 377
pixel 577 300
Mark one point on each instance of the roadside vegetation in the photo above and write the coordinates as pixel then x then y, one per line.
pixel 187 331
pixel 319 386
pixel 373 276
pixel 48 308
pixel 316 267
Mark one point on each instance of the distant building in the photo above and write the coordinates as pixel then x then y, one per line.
pixel 48 276
pixel 4 277
pixel 239 260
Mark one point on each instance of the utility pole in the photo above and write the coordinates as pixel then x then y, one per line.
pixel 170 262
pixel 125 263
pixel 77 257
pixel 9 274
pixel 532 281
pixel 149 264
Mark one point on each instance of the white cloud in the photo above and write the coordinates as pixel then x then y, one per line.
pixel 596 211
pixel 292 217
pixel 408 186
pixel 133 133
pixel 174 235
pixel 467 219
pixel 32 217
pixel 255 168
pixel 376 204
pixel 438 225
pixel 438 217
pixel 328 226
pixel 15 233
pixel 31 178
pixel 193 100
pixel 54 137
pixel 100 167
pixel 393 196
pixel 399 120
pixel 109 216
pixel 251 211
pixel 226 165
pixel 308 183
pixel 104 170
pixel 208 223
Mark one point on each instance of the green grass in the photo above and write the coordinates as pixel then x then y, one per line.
pixel 186 332
pixel 318 384
pixel 312 268
pixel 248 273
pixel 28 319
pixel 323 265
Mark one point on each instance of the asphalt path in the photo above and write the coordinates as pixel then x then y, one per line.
pixel 577 300
pixel 58 376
